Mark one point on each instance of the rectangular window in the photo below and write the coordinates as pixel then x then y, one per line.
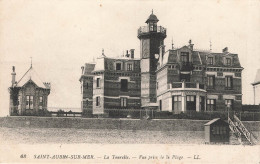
pixel 153 26
pixel 190 98
pixel 124 85
pixel 210 60
pixel 229 82
pixel 184 57
pixel 40 102
pixel 29 102
pixel 118 66
pixel 228 61
pixel 98 101
pixel 123 101
pixel 230 102
pixel 211 104
pixel 98 82
pixel 211 81
pixel 129 67
pixel 177 103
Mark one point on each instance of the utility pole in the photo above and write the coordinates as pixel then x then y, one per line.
pixel 254 93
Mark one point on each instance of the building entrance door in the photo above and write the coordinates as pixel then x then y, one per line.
pixel 202 103
pixel 176 104
pixel 191 103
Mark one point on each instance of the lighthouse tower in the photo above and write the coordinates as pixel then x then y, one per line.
pixel 151 38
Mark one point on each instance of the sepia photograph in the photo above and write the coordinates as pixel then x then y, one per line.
pixel 130 81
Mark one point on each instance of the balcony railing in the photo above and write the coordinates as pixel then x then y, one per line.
pixel 146 29
pixel 185 85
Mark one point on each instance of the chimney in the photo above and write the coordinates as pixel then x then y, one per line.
pixel 82 69
pixel 132 53
pixel 127 55
pixel 191 45
pixel 13 76
pixel 225 50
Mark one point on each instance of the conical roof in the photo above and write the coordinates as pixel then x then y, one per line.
pixel 33 76
pixel 152 18
pixel 257 78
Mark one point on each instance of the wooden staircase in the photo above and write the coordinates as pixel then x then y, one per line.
pixel 240 132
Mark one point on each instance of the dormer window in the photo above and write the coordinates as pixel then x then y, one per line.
pixel 210 60
pixel 118 66
pixel 184 57
pixel 228 61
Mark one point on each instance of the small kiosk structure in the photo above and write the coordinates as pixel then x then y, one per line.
pixel 216 131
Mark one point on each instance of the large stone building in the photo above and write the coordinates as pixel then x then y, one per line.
pixel 28 96
pixel 256 87
pixel 177 80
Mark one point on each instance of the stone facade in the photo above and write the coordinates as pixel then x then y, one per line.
pixel 177 80
pixel 28 96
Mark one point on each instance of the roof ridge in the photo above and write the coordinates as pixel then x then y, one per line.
pixel 24 74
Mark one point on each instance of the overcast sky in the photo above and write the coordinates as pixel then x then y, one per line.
pixel 61 35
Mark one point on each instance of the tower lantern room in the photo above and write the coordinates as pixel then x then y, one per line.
pixel 152 23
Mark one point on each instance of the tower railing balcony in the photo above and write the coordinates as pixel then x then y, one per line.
pixel 146 29
pixel 186 86
pixel 186 66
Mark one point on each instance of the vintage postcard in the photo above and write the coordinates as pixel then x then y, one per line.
pixel 130 81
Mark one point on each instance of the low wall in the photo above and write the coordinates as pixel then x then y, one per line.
pixel 124 124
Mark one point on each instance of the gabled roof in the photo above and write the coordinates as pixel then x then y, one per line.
pixel 33 76
pixel 257 78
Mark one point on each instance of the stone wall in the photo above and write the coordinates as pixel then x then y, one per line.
pixel 124 124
